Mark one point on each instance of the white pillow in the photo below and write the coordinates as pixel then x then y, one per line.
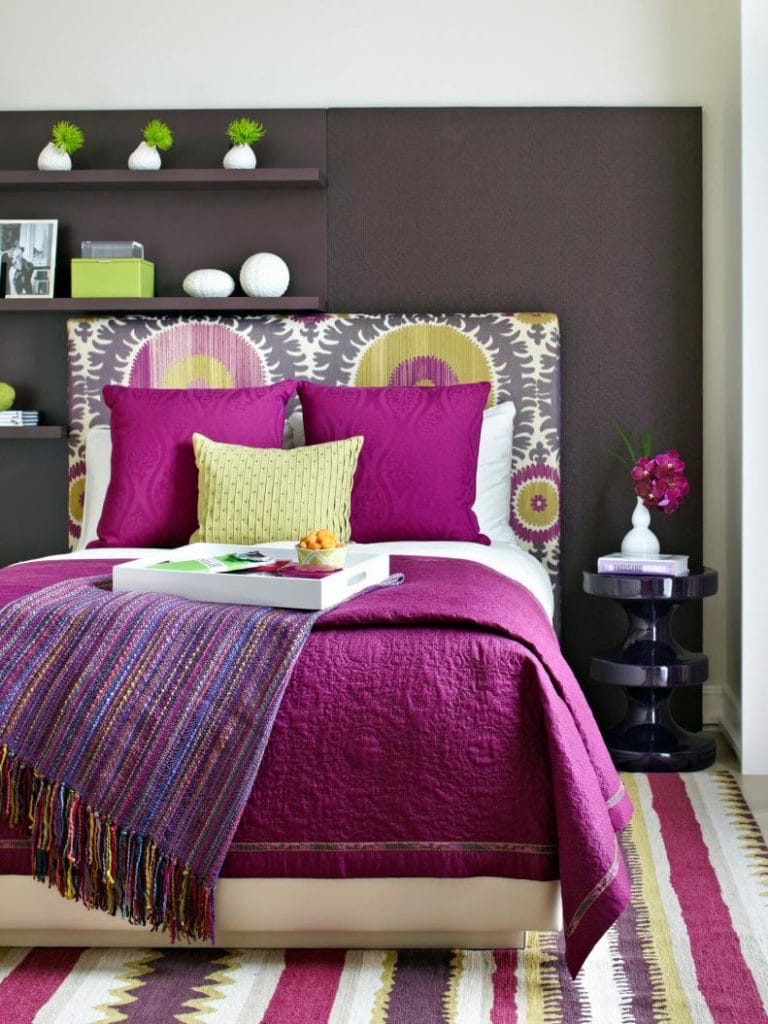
pixel 98 456
pixel 494 473
pixel 494 467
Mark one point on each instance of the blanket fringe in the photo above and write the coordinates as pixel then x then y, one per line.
pixel 93 860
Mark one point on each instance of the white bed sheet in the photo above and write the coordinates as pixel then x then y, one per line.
pixel 507 559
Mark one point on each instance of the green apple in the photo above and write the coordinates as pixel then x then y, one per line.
pixel 7 395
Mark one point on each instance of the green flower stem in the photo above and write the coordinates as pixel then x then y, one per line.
pixel 158 134
pixel 244 131
pixel 67 137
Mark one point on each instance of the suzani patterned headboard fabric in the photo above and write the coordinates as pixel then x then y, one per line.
pixel 518 353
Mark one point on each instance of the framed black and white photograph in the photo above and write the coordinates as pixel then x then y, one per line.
pixel 28 257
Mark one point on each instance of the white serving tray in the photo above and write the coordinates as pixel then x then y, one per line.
pixel 360 571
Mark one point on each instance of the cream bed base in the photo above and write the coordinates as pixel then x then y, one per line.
pixel 363 913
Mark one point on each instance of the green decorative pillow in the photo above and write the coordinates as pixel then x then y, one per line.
pixel 256 495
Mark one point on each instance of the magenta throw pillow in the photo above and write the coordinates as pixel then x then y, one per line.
pixel 416 473
pixel 152 496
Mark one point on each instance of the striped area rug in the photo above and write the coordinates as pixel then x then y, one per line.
pixel 692 949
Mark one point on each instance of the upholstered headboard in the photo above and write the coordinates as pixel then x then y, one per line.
pixel 518 353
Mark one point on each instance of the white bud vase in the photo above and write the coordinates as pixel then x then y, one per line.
pixel 240 158
pixel 144 158
pixel 53 159
pixel 641 540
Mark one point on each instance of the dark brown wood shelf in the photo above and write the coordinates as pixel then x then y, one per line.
pixel 181 178
pixel 168 303
pixel 33 433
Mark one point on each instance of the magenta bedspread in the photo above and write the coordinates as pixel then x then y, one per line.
pixel 434 731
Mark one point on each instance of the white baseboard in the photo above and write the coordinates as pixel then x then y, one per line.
pixel 721 709
pixel 730 717
pixel 712 704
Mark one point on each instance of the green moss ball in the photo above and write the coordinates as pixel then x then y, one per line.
pixel 7 395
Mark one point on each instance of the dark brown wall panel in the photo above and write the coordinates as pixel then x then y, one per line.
pixel 33 474
pixel 594 214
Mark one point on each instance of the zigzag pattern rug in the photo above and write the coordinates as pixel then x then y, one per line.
pixel 692 949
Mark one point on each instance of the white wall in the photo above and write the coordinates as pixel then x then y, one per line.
pixel 187 53
pixel 755 382
pixel 184 53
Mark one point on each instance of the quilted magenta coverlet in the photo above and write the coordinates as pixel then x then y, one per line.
pixel 433 730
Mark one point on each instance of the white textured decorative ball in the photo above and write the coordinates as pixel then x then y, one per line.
pixel 265 276
pixel 208 284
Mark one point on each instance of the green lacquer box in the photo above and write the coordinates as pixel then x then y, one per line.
pixel 113 279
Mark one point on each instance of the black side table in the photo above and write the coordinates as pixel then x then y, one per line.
pixel 649 664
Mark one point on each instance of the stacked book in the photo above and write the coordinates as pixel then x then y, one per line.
pixel 644 565
pixel 18 418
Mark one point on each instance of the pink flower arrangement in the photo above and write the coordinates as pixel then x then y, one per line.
pixel 660 481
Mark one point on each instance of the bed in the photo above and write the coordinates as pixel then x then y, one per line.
pixel 405 845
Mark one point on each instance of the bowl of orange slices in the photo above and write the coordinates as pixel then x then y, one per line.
pixel 321 548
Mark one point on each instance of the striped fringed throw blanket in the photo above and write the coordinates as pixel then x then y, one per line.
pixel 132 727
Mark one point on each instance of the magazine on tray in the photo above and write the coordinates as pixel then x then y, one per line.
pixel 244 561
pixel 233 561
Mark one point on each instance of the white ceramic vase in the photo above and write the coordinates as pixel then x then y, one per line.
pixel 240 158
pixel 54 159
pixel 144 158
pixel 641 540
